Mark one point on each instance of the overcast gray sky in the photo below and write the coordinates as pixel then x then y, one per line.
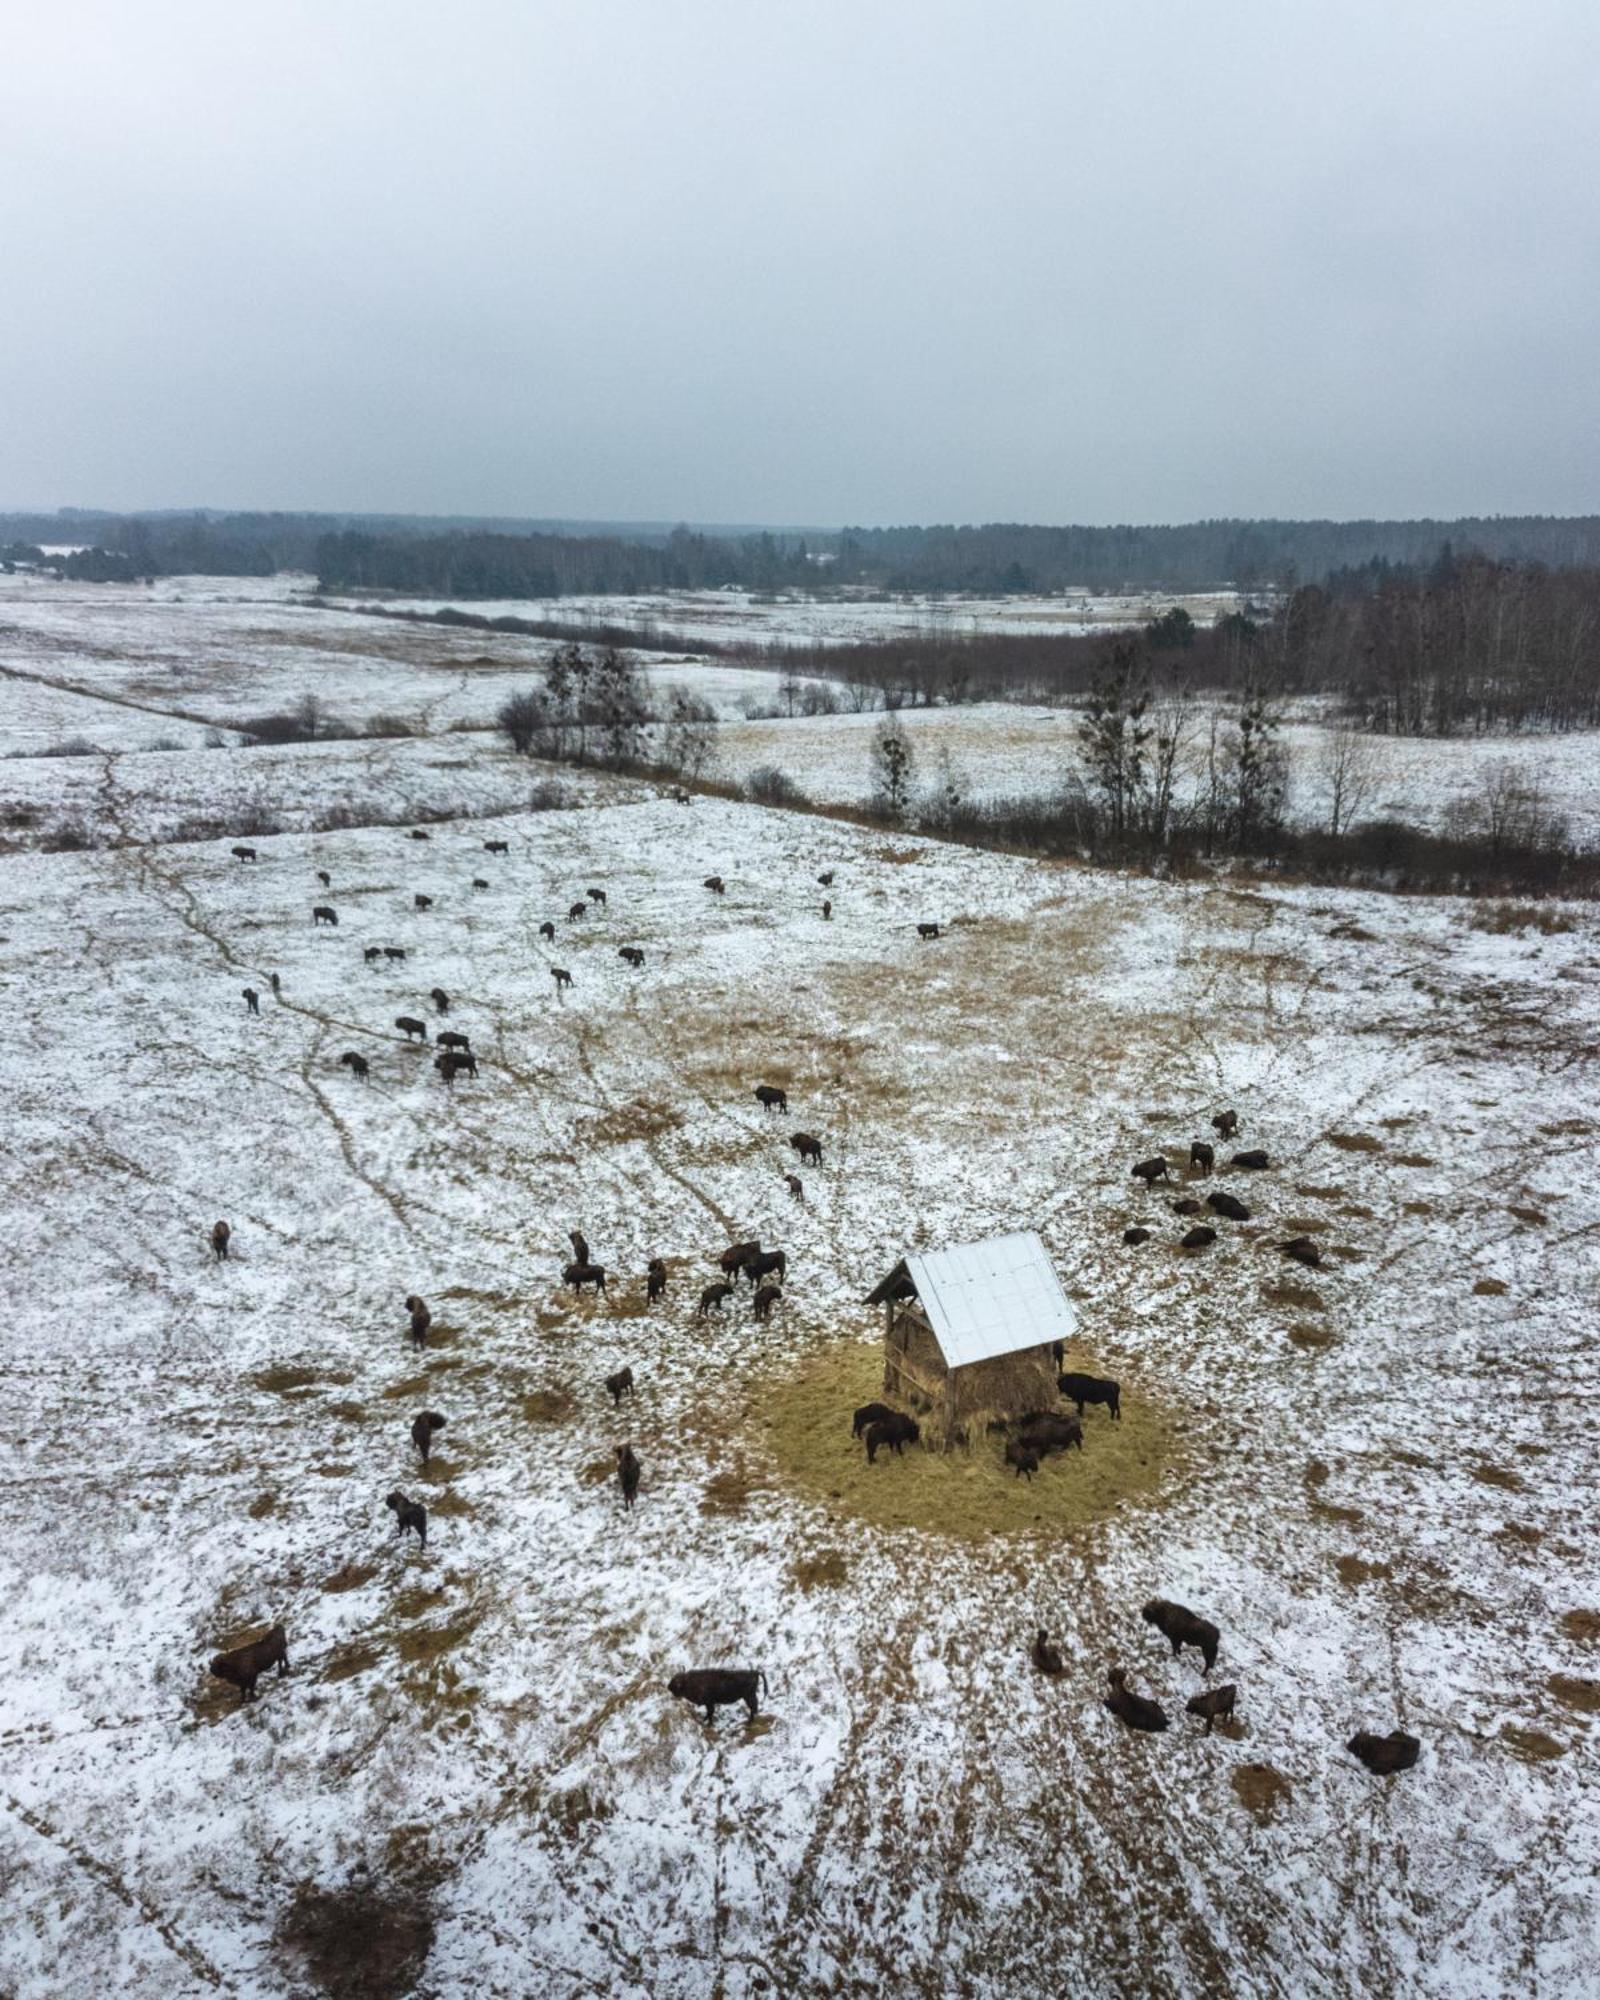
pixel 852 260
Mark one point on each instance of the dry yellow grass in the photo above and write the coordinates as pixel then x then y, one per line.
pixel 964 1495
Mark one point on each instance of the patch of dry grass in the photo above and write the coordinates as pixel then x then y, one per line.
pixel 1261 1790
pixel 1574 1692
pixel 358 1942
pixel 964 1495
pixel 1503 919
pixel 1355 1142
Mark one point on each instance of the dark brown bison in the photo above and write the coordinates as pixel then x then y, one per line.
pixel 561 976
pixel 808 1146
pixel 421 902
pixel 243 853
pixel 737 1255
pixel 252 999
pixel 618 1386
pixel 712 1297
pixel 1382 1755
pixel 1201 1237
pixel 324 878
pixel 1225 1124
pixel 712 1688
pixel 1202 1156
pixel 1137 1711
pixel 1083 1389
pixel 826 878
pixel 451 1063
pixel 418 834
pixel 1303 1251
pixel 632 955
pixel 1228 1205
pixel 580 1245
pixel 771 1098
pixel 893 1431
pixel 452 1038
pixel 869 1413
pixel 357 1065
pixel 440 999
pixel 372 953
pixel 1135 1236
pixel 928 930
pixel 1022 1456
pixel 796 1187
pixel 716 885
pixel 766 1264
pixel 245 1665
pixel 220 1232
pixel 324 913
pixel 576 912
pixel 655 1280
pixel 422 1430
pixel 767 1296
pixel 1188 1206
pixel 596 895
pixel 421 1319
pixel 410 1517
pixel 827 910
pixel 496 847
pixel 1045 1657
pixel 478 882
pixel 579 1275
pixel 1184 1628
pixel 1215 1704
pixel 1151 1171
pixel 548 932
pixel 627 1475
pixel 409 1025
pixel 395 953
pixel 1047 1431
pixel 1253 1162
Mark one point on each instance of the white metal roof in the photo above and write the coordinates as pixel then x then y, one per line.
pixel 990 1298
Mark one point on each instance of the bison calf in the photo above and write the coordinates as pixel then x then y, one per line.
pixel 767 1296
pixel 1228 1205
pixel 619 1385
pixel 796 1187
pixel 869 1413
pixel 245 1665
pixel 627 1475
pixel 1023 1457
pixel 712 1688
pixel 712 1296
pixel 252 999
pixel 1213 1703
pixel 1045 1657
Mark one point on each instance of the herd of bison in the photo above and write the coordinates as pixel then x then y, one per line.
pixel 1029 1440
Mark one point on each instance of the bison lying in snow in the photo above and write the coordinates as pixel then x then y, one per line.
pixel 1201 1237
pixel 1136 1710
pixel 1228 1205
pixel 1188 1206
pixel 1135 1236
pixel 1081 1389
pixel 1184 1628
pixel 579 1275
pixel 893 1431
pixel 712 1688
pixel 422 1430
pixel 410 1517
pixel 1151 1171
pixel 1252 1162
pixel 245 1665
pixel 808 1146
pixel 771 1098
pixel 869 1413
pixel 1382 1755
pixel 619 1385
pixel 1213 1704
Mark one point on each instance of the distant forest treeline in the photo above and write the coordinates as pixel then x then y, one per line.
pixel 464 558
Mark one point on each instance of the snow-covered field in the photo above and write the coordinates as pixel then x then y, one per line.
pixel 1382 1490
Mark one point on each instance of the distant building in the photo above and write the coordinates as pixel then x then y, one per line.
pixel 968 1331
